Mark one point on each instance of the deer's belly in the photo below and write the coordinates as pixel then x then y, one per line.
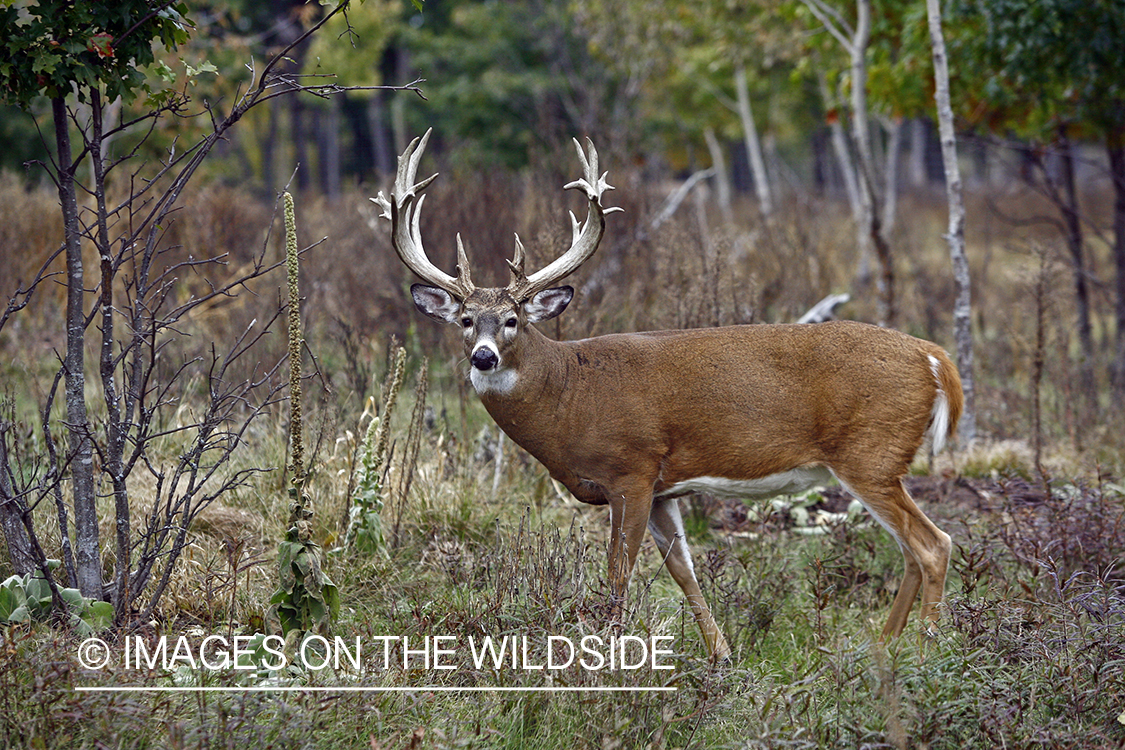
pixel 783 483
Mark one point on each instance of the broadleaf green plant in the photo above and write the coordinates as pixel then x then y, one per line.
pixel 27 598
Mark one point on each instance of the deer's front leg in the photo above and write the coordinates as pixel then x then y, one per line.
pixel 667 528
pixel 628 519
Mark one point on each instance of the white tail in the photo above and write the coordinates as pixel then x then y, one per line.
pixel 637 420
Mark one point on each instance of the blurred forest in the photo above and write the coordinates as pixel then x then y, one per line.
pixel 767 154
pixel 793 145
pixel 667 86
pixel 758 97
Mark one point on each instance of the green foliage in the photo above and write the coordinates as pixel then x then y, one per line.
pixel 900 78
pixel 693 57
pixel 47 47
pixel 352 45
pixel 28 598
pixel 900 72
pixel 306 597
pixel 1027 64
pixel 21 141
pixel 365 519
pixel 494 81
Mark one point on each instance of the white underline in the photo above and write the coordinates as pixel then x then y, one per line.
pixel 355 689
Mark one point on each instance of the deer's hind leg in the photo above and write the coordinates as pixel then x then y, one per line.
pixel 925 548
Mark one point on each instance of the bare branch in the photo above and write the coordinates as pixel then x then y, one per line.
pixel 834 22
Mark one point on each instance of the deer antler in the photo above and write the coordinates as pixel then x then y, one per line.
pixel 585 236
pixel 405 234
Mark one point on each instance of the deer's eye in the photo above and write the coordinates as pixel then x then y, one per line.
pixel 467 322
pixel 511 322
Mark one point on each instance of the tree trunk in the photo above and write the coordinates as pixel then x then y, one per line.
pixel 269 146
pixel 861 133
pixel 1115 145
pixel 115 430
pixel 11 519
pixel 890 175
pixel 382 160
pixel 962 307
pixel 868 228
pixel 80 458
pixel 328 146
pixel 918 146
pixel 843 157
pixel 300 142
pixel 753 145
pixel 722 179
pixel 1072 220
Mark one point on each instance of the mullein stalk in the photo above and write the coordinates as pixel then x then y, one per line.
pixel 306 597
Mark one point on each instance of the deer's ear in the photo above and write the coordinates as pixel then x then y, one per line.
pixel 435 303
pixel 548 303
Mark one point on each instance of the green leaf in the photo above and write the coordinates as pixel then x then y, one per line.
pixel 11 599
pixel 74 599
pixel 39 593
pixel 331 597
pixel 20 614
pixel 204 67
pixel 302 563
pixel 286 552
pixel 99 615
pixel 80 626
pixel 44 64
pixel 165 73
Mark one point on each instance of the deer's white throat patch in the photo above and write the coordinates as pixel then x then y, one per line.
pixel 782 483
pixel 499 381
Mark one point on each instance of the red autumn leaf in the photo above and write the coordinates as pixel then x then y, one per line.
pixel 101 44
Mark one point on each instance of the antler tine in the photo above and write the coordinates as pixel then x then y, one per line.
pixel 404 209
pixel 515 266
pixel 463 267
pixel 585 236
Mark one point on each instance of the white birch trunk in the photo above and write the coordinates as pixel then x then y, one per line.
pixel 843 155
pixel 722 179
pixel 890 174
pixel 962 320
pixel 917 169
pixel 753 145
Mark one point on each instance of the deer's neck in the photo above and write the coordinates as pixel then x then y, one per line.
pixel 527 375
pixel 526 397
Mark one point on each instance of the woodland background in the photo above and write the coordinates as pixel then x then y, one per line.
pixel 730 132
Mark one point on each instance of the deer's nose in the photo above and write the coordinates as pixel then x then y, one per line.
pixel 484 359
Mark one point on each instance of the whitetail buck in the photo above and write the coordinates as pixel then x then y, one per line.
pixel 636 420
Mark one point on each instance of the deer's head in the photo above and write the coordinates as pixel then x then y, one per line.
pixel 493 320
